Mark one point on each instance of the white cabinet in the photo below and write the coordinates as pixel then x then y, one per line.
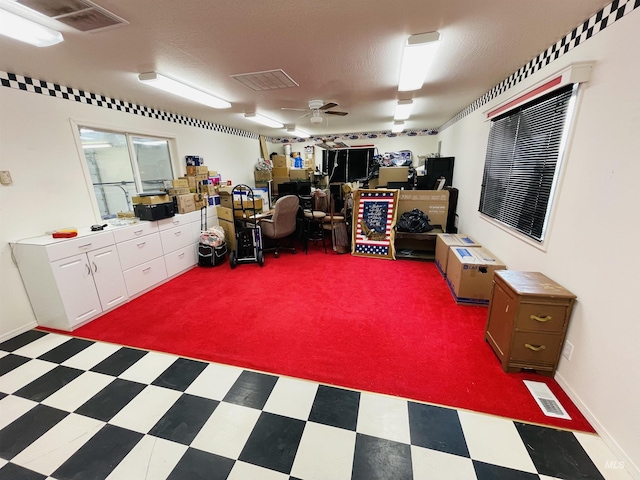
pixel 67 288
pixel 141 257
pixel 179 243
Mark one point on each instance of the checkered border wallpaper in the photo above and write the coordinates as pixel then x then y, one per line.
pixel 598 22
pixel 29 84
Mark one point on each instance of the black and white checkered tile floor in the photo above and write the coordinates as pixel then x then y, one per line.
pixel 78 409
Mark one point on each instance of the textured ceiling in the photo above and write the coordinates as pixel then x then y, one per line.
pixel 344 51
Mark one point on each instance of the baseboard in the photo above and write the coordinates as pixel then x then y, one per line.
pixel 629 465
pixel 18 331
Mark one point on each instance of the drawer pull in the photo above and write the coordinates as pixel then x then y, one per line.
pixel 541 319
pixel 177 234
pixel 534 348
pixel 137 232
pixel 86 245
pixel 142 244
pixel 181 255
pixel 145 270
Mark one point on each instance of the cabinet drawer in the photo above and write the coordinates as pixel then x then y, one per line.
pixel 541 317
pixel 67 248
pixel 142 277
pixel 135 231
pixel 178 220
pixel 175 238
pixel 139 250
pixel 535 348
pixel 180 260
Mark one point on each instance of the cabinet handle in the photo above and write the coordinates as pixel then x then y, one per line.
pixel 177 233
pixel 145 270
pixel 88 269
pixel 534 348
pixel 137 232
pixel 176 222
pixel 541 319
pixel 181 255
pixel 84 246
pixel 95 267
pixel 142 244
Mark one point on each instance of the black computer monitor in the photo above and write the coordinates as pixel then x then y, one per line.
pixel 304 188
pixel 287 188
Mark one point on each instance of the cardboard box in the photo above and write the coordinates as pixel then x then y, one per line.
pixel 277 181
pixel 280 161
pixel 225 189
pixel 180 183
pixel 178 191
pixel 435 203
pixel 248 203
pixel 280 172
pixel 470 274
pixel 225 199
pixel 151 199
pixel 392 174
pixel 300 174
pixel 191 170
pixel 200 204
pixel 262 176
pixel 443 243
pixel 225 220
pixel 202 170
pixel 186 203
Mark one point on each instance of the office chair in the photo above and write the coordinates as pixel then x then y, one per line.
pixel 281 225
pixel 314 209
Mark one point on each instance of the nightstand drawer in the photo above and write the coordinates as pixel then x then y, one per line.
pixel 535 348
pixel 541 317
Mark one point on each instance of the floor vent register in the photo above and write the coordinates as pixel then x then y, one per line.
pixel 546 400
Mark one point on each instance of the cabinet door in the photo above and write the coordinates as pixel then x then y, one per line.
pixel 500 321
pixel 108 278
pixel 77 289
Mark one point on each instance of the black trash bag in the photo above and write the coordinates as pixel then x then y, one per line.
pixel 415 221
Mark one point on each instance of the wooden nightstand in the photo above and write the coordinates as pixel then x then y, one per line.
pixel 527 320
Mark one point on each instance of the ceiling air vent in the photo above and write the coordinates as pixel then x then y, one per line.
pixel 268 80
pixel 82 15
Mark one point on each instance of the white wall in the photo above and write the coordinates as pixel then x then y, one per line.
pixel 590 248
pixel 49 190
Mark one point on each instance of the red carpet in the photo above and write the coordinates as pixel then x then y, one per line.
pixel 375 325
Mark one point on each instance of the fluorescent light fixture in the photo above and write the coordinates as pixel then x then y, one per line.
pixel 403 109
pixel 397 127
pixel 262 120
pixel 298 133
pixel 418 55
pixel 172 86
pixel 24 30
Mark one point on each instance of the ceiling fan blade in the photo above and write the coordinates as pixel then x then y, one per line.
pixel 340 114
pixel 329 105
pixel 294 109
pixel 305 115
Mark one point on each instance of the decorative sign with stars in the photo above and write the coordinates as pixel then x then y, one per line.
pixel 373 234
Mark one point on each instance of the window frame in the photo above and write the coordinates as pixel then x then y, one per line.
pixel 573 75
pixel 76 125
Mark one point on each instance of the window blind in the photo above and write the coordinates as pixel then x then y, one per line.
pixel 521 163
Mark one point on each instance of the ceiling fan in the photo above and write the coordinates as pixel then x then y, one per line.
pixel 316 109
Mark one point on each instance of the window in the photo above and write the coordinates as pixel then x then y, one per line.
pixel 123 164
pixel 522 163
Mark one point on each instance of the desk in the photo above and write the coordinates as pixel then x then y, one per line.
pixel 420 246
